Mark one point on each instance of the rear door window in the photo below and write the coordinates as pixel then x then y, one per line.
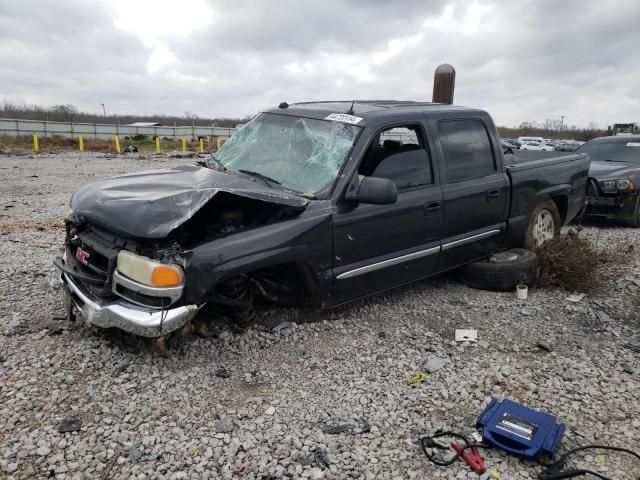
pixel 466 150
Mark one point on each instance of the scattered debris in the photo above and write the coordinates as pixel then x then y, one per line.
pixel 241 470
pixel 348 428
pixel 10 379
pixel 337 429
pixel 70 425
pixel 122 366
pixel 543 345
pixel 270 411
pixel 628 368
pixel 53 329
pixel 575 298
pixel 522 291
pixel 306 460
pixel 321 458
pixel 283 325
pixel 466 335
pixel 526 312
pixel 434 364
pixel 222 373
pixel 416 379
pixel 131 149
pixel 135 453
pixel 224 425
pixel 633 348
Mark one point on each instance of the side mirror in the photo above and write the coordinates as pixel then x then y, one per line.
pixel 374 190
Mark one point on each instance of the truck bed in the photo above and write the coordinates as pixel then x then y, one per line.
pixel 562 178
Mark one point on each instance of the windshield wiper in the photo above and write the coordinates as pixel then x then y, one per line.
pixel 218 162
pixel 268 180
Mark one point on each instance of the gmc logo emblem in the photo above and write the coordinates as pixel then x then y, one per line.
pixel 82 256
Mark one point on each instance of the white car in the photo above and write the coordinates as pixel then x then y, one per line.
pixel 531 139
pixel 538 147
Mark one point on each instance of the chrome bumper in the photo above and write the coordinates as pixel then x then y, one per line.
pixel 124 315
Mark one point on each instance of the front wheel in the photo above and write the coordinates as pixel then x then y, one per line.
pixel 544 225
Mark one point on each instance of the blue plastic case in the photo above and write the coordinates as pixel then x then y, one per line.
pixel 519 430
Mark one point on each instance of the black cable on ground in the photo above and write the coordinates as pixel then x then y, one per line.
pixel 554 471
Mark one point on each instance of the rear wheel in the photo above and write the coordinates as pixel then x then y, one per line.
pixel 544 224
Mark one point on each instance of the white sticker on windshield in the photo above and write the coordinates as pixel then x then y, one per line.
pixel 633 144
pixel 343 117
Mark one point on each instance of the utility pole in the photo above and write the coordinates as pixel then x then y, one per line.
pixel 104 110
pixel 562 117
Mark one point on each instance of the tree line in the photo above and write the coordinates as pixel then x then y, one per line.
pixel 554 129
pixel 69 113
pixel 550 128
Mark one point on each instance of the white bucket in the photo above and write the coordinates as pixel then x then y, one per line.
pixel 522 291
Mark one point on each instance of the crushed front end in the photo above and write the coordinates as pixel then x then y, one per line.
pixel 111 285
pixel 613 199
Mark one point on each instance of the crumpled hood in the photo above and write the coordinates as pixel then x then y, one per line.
pixel 610 170
pixel 153 203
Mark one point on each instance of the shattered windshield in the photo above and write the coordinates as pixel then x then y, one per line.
pixel 301 154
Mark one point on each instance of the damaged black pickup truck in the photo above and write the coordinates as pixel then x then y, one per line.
pixel 311 203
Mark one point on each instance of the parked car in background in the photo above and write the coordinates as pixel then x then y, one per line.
pixel 315 203
pixel 568 146
pixel 512 141
pixel 614 178
pixel 535 146
pixel 531 139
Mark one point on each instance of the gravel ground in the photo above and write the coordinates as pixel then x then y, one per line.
pixel 147 417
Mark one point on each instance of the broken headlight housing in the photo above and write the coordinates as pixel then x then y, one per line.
pixel 616 185
pixel 149 272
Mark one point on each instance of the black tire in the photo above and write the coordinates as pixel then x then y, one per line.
pixel 502 271
pixel 548 207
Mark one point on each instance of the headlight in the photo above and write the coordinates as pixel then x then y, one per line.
pixel 608 185
pixel 149 272
pixel 624 184
pixel 615 185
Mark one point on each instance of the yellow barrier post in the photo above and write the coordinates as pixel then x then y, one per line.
pixel 81 143
pixel 201 145
pixel 184 145
pixel 117 139
pixel 218 143
pixel 157 144
pixel 36 147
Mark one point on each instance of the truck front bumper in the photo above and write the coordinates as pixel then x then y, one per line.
pixel 124 315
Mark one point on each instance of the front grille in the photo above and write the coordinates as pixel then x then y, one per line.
pixel 102 253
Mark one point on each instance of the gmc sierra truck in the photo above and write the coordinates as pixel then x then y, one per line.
pixel 316 203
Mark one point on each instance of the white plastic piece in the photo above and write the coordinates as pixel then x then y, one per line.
pixel 575 298
pixel 466 335
pixel 522 291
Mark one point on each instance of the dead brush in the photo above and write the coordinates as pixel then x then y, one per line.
pixel 575 263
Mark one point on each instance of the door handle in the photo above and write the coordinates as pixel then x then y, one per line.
pixel 493 194
pixel 431 208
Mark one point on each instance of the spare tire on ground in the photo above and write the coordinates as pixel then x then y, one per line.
pixel 502 271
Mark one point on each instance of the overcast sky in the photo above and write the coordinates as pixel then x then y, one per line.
pixel 520 60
